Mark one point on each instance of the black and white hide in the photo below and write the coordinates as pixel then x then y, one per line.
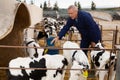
pixel 34 49
pixel 76 58
pixel 79 72
pixel 51 31
pixel 57 62
pixel 39 34
pixel 51 26
pixel 103 59
pixel 42 34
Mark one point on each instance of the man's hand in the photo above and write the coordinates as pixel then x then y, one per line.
pixel 55 40
pixel 93 44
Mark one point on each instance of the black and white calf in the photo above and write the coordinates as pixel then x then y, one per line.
pixel 42 34
pixel 33 52
pixel 103 59
pixel 77 55
pixel 50 26
pixel 76 58
pixel 57 62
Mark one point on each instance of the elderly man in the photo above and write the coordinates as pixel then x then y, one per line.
pixel 83 21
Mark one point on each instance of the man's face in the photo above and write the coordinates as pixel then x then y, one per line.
pixel 72 13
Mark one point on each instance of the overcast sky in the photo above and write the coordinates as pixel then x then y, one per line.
pixel 84 3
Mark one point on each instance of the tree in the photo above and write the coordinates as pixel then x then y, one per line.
pixel 45 6
pixel 93 6
pixel 18 0
pixel 55 6
pixel 40 5
pixel 32 2
pixel 24 1
pixel 75 3
pixel 79 6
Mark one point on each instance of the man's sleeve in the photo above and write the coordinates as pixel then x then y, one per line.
pixel 93 29
pixel 65 28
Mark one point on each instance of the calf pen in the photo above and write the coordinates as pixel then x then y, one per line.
pixel 112 41
pixel 117 49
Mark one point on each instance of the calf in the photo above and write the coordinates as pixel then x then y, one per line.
pixel 102 59
pixel 42 34
pixel 57 62
pixel 78 57
pixel 33 52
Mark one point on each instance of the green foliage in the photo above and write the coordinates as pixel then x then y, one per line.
pixel 45 6
pixel 93 6
pixel 56 6
pixel 18 0
pixel 40 5
pixel 32 2
pixel 77 4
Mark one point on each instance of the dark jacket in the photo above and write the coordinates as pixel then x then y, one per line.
pixel 86 26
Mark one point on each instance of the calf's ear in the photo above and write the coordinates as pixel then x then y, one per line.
pixel 103 45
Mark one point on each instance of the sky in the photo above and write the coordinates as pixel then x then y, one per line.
pixel 84 3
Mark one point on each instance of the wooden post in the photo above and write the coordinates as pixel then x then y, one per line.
pixel 116 34
pixel 101 27
pixel 118 63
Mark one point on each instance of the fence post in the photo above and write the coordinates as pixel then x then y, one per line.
pixel 118 63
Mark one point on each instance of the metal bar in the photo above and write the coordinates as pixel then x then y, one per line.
pixel 118 63
pixel 7 46
pixel 4 68
pixel 109 65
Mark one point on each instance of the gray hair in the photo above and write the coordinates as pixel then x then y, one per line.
pixel 73 7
